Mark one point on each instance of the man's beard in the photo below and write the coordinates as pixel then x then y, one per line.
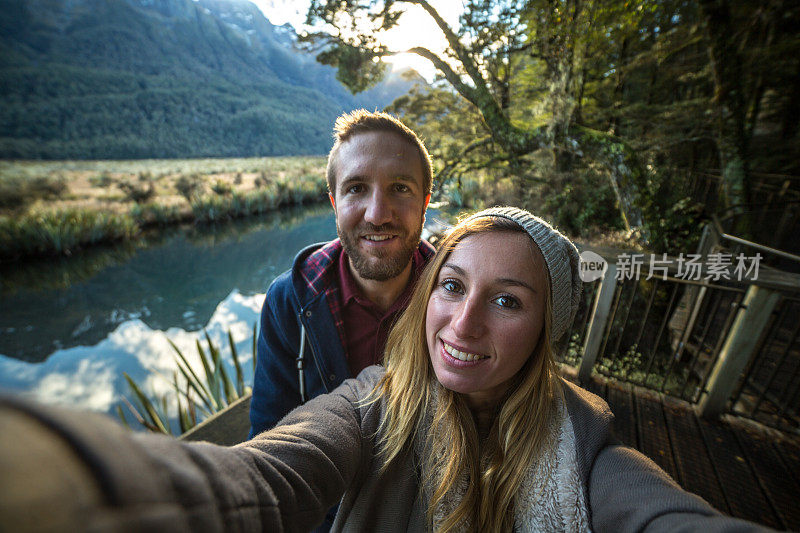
pixel 381 266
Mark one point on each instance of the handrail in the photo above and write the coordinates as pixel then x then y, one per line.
pixel 757 246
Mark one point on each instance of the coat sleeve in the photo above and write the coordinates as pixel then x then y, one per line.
pixel 90 474
pixel 275 387
pixel 629 492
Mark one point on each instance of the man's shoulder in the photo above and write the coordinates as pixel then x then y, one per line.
pixel 314 267
pixel 309 272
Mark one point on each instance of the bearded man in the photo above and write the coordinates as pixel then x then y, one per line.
pixel 328 317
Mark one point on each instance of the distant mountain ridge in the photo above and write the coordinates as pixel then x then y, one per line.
pixel 106 79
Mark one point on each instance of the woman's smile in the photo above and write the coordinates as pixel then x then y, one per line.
pixel 460 358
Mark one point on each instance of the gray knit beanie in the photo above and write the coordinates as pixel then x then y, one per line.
pixel 562 260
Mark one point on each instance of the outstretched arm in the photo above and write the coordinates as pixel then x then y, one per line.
pixel 629 492
pixel 65 470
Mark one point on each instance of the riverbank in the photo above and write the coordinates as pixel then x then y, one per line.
pixel 50 208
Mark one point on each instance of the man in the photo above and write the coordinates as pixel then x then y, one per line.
pixel 328 317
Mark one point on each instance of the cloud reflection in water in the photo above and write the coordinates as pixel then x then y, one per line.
pixel 90 377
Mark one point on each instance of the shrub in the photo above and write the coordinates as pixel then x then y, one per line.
pixel 221 187
pixel 103 180
pixel 136 192
pixel 189 186
pixel 18 191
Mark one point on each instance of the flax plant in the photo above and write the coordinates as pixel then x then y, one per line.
pixel 196 397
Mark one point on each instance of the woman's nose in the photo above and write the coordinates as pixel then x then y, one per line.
pixel 468 320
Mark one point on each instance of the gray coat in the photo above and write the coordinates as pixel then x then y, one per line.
pixel 285 479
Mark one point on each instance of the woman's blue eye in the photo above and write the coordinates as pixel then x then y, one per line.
pixel 507 302
pixel 450 285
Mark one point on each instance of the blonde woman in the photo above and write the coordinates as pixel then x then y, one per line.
pixel 468 427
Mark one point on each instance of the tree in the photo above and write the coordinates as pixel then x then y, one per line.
pixel 493 42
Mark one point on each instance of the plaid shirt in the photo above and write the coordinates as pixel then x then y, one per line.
pixel 320 274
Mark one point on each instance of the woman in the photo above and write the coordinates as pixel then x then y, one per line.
pixel 467 428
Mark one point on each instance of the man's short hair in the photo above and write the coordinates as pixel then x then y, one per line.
pixel 363 121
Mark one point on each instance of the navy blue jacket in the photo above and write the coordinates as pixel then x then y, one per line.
pixel 297 303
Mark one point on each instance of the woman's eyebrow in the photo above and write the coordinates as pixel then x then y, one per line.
pixel 516 283
pixel 457 268
pixel 500 281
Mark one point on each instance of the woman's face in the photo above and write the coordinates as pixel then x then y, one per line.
pixel 486 313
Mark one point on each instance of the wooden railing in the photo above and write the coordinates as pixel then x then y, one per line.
pixel 724 341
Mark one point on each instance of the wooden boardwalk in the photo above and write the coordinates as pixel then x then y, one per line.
pixel 743 470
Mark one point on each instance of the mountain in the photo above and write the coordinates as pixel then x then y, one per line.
pixel 118 79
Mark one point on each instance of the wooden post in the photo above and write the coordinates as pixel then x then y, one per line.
pixel 742 340
pixel 597 322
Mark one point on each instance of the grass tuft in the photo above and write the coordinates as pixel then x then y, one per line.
pixel 61 232
pixel 209 394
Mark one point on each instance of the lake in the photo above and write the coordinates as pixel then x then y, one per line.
pixel 70 327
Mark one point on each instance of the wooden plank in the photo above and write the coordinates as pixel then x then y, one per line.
pixel 652 432
pixel 653 435
pixel 619 399
pixel 781 489
pixel 741 488
pixel 691 456
pixel 227 427
pixel 790 453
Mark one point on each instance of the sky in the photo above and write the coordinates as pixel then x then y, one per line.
pixel 415 28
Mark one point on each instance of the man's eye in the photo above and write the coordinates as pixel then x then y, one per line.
pixel 401 188
pixel 355 189
pixel 507 302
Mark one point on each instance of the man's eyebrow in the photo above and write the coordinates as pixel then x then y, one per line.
pixel 358 178
pixel 501 281
pixel 351 179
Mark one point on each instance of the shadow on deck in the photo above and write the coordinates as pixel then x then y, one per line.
pixel 739 467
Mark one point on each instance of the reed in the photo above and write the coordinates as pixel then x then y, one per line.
pixel 52 208
pixel 61 232
pixel 195 396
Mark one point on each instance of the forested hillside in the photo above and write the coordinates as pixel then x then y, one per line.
pixel 105 79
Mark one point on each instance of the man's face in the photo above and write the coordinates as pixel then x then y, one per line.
pixel 379 202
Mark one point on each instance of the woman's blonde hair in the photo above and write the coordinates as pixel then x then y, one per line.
pixel 452 447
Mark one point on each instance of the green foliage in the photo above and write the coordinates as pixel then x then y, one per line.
pixel 623 92
pixel 152 213
pixel 102 180
pixel 195 397
pixel 221 187
pixel 189 186
pixel 581 201
pixel 61 232
pixel 139 193
pixel 17 192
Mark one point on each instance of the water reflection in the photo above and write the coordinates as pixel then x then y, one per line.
pixel 91 377
pixel 177 281
pixel 70 328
